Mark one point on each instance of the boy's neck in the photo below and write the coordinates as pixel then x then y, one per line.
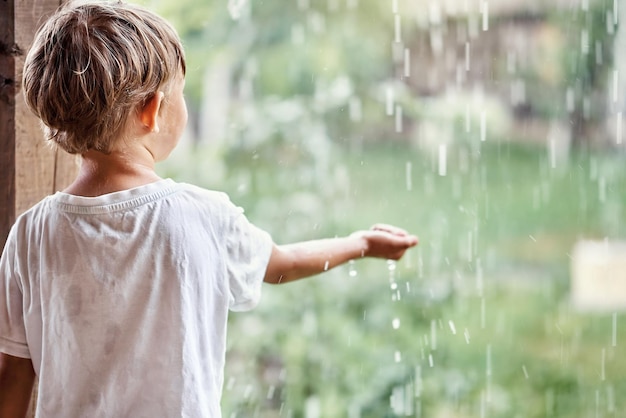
pixel 101 173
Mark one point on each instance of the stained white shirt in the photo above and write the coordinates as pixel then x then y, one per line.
pixel 121 301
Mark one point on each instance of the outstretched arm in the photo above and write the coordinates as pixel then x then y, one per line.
pixel 296 261
pixel 16 385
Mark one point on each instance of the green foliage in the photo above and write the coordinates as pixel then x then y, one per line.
pixel 476 320
pixel 586 62
pixel 483 329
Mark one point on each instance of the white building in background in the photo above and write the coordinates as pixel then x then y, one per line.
pixel 598 276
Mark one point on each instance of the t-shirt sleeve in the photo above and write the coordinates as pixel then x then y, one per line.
pixel 248 253
pixel 12 329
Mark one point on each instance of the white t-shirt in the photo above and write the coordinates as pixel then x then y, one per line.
pixel 121 301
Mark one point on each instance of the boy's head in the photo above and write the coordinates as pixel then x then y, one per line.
pixel 92 64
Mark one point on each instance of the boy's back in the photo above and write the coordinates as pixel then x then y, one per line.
pixel 125 301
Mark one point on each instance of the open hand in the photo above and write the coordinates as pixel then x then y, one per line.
pixel 386 241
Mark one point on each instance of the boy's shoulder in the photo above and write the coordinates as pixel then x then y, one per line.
pixel 214 197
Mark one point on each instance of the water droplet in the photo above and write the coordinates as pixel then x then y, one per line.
pixel 351 271
pixel 389 101
pixel 409 176
pixel 485 12
pixel 443 160
pixel 614 339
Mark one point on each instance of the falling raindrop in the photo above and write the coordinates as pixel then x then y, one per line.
pixel 479 277
pixel 485 13
pixel 599 57
pixel 235 8
pixel 615 86
pixel 618 137
pixel 603 368
pixel 610 27
pixel 488 370
pixel 398 118
pixel 452 327
pixel 355 109
pixel 518 92
pixel 389 101
pixel 584 42
pixel 614 339
pixel 443 159
pixel 610 399
pixel 407 62
pixel 483 404
pixel 433 335
pixel 270 392
pixel 511 62
pixel 395 323
pixel 483 313
pixel 586 108
pixel 409 176
pixel 397 30
pixel 483 126
pixel 569 99
pixel 351 270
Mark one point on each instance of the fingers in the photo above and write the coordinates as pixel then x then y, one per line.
pixel 389 228
pixel 410 240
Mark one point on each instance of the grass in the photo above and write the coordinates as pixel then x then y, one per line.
pixel 484 324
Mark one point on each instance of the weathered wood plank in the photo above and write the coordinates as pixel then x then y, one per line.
pixel 8 89
pixel 35 160
pixel 30 168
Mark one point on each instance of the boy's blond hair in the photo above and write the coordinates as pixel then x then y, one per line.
pixel 94 63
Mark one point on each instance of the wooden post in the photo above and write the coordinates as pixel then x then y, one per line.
pixel 8 87
pixel 29 168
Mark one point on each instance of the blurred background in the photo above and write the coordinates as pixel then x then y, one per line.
pixel 490 128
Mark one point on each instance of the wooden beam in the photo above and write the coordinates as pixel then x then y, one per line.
pixel 8 88
pixel 29 168
pixel 36 161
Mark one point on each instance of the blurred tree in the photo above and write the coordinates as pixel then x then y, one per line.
pixel 588 68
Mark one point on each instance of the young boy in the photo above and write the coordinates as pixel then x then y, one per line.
pixel 116 291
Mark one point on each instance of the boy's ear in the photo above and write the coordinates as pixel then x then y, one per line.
pixel 149 113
